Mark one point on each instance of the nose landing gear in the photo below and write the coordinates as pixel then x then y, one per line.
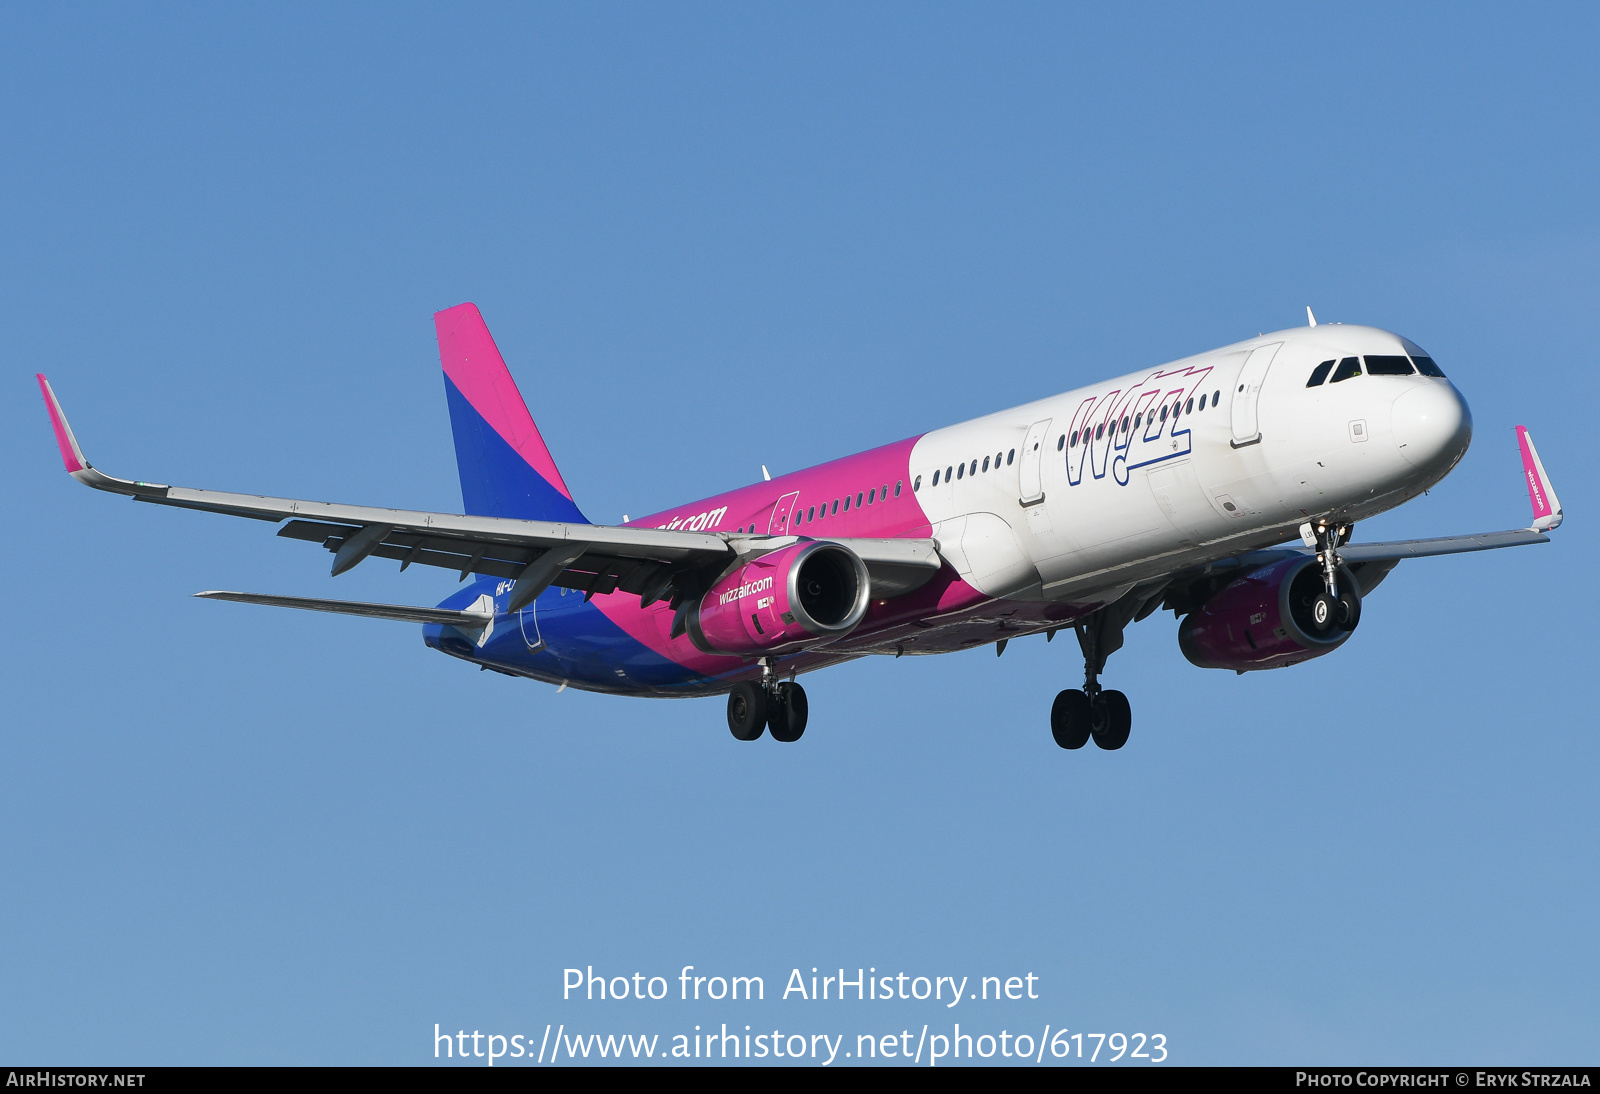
pixel 756 706
pixel 1333 607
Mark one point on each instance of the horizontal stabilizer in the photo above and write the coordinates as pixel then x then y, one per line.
pixel 473 620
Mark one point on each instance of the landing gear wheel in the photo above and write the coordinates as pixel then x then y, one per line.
pixel 1349 613
pixel 1070 719
pixel 1324 611
pixel 1113 720
pixel 786 718
pixel 747 710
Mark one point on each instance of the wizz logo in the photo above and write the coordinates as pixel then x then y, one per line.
pixel 1122 430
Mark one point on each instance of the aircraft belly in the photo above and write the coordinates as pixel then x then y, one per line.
pixel 580 647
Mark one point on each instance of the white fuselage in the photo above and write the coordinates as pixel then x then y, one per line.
pixel 1085 493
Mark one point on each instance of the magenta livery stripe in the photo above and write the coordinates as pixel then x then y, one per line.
pixel 818 503
pixel 473 363
pixel 69 448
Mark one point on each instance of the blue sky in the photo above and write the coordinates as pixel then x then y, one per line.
pixel 708 238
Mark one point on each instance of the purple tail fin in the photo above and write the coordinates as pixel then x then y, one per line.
pixel 506 470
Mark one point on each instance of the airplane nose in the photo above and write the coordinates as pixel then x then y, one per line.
pixel 1432 425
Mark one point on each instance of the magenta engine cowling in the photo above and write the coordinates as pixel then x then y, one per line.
pixel 1263 620
pixel 781 600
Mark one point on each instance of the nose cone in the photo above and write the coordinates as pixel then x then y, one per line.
pixel 1432 426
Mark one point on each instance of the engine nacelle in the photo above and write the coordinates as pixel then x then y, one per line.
pixel 783 599
pixel 1263 620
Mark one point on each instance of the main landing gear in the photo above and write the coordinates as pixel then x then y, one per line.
pixel 766 704
pixel 1094 712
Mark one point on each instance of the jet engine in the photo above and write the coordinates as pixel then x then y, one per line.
pixel 782 600
pixel 1267 619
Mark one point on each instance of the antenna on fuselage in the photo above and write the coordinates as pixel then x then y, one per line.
pixel 766 476
pixel 1311 319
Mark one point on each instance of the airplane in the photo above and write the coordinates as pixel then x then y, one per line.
pixel 1182 487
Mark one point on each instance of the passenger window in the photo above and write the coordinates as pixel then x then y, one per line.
pixel 870 494
pixel 997 461
pixel 1427 367
pixel 916 485
pixel 974 470
pixel 1100 431
pixel 858 501
pixel 811 514
pixel 1163 414
pixel 883 492
pixel 1350 366
pixel 1190 408
pixel 1011 456
pixel 1136 419
pixel 1074 442
pixel 835 508
pixel 1124 423
pixel 961 469
pixel 1319 374
pixel 847 503
pixel 986 463
pixel 1061 443
pixel 900 482
pixel 1388 365
pixel 936 478
pixel 1215 395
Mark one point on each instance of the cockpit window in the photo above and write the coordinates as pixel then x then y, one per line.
pixel 1350 366
pixel 1426 366
pixel 1388 365
pixel 1319 374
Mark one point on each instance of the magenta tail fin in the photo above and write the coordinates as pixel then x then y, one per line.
pixel 506 469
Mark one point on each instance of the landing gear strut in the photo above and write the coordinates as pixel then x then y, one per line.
pixel 1095 712
pixel 754 706
pixel 1333 606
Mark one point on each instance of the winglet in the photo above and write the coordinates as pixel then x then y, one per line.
pixel 71 454
pixel 1546 506
pixel 78 466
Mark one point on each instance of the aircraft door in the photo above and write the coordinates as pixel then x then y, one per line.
pixel 1030 488
pixel 528 618
pixel 1246 392
pixel 779 524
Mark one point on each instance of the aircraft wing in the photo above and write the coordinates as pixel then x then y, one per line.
pixel 1546 517
pixel 653 563
pixel 1444 545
